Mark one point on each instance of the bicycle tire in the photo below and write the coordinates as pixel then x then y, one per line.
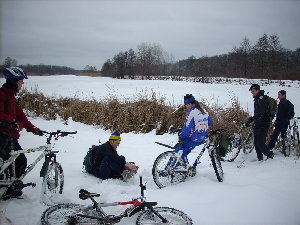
pixel 216 165
pixel 234 148
pixel 174 217
pixel 166 177
pixel 53 182
pixel 65 214
pixel 248 144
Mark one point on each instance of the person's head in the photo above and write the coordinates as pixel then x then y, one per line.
pixel 281 94
pixel 115 139
pixel 189 101
pixel 14 77
pixel 255 88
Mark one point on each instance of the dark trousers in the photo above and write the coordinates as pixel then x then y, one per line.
pixel 260 135
pixel 279 129
pixel 109 169
pixel 5 148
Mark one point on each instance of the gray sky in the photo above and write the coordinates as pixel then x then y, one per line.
pixel 79 33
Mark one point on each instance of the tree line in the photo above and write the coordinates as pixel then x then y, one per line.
pixel 267 58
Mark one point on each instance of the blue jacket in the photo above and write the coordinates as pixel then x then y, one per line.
pixel 195 126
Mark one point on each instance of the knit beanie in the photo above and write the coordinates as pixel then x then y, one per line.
pixel 115 136
pixel 189 98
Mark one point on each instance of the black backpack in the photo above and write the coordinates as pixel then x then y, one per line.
pixel 291 111
pixel 88 161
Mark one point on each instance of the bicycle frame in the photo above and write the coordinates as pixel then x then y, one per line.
pixel 128 212
pixel 207 146
pixel 14 154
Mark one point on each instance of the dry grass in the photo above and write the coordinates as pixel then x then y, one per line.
pixel 146 113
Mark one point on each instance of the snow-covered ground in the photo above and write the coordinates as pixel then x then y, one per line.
pixel 256 193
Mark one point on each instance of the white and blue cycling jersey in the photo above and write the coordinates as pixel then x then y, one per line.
pixel 195 127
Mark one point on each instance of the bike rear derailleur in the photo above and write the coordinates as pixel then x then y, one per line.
pixel 192 171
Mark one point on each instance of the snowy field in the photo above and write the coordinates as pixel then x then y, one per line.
pixel 257 193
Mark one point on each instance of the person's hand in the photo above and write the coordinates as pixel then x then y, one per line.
pixel 131 166
pixel 37 131
pixel 247 123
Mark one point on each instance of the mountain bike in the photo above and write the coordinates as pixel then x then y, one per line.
pixel 93 214
pixel 171 167
pixel 242 139
pixel 53 178
pixel 291 141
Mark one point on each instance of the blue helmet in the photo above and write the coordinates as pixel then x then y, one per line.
pixel 14 73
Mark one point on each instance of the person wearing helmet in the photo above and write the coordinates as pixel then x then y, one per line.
pixel 11 113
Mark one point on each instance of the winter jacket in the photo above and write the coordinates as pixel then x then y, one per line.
pixel 107 150
pixel 196 125
pixel 282 115
pixel 261 116
pixel 12 113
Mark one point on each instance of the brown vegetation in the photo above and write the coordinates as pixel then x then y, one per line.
pixel 146 113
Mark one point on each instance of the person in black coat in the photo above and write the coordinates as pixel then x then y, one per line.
pixel 282 121
pixel 109 164
pixel 262 121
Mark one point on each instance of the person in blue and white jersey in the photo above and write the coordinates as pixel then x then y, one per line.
pixel 195 129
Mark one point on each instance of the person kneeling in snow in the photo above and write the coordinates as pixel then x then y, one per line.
pixel 108 164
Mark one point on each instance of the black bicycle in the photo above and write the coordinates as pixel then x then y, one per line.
pixel 170 168
pixel 73 214
pixel 243 139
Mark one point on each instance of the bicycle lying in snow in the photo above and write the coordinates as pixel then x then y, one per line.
pixel 73 214
pixel 51 171
pixel 171 168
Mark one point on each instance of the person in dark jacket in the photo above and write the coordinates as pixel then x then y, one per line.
pixel 282 121
pixel 11 113
pixel 109 164
pixel 262 121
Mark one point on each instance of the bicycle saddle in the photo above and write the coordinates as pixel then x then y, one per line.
pixel 84 194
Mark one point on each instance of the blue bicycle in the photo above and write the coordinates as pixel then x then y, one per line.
pixel 171 168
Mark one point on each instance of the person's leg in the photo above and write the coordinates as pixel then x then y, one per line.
pixel 274 137
pixel 21 161
pixel 109 169
pixel 260 135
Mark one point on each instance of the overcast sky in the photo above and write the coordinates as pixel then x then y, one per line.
pixel 79 33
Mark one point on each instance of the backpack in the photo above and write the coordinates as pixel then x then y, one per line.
pixel 88 161
pixel 272 106
pixel 223 144
pixel 291 111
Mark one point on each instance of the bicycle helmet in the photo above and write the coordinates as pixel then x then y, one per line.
pixel 14 72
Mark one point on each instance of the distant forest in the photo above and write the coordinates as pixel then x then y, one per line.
pixel 267 59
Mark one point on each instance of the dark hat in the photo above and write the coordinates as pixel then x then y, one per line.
pixel 254 86
pixel 189 98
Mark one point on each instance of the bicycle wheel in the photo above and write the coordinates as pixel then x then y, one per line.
pixel 287 145
pixel 249 143
pixel 164 174
pixel 53 182
pixel 173 216
pixel 217 165
pixel 66 214
pixel 234 148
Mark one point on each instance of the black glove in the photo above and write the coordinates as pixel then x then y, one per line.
pixel 37 131
pixel 247 122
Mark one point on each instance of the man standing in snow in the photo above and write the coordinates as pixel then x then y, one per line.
pixel 108 164
pixel 12 117
pixel 261 121
pixel 283 116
